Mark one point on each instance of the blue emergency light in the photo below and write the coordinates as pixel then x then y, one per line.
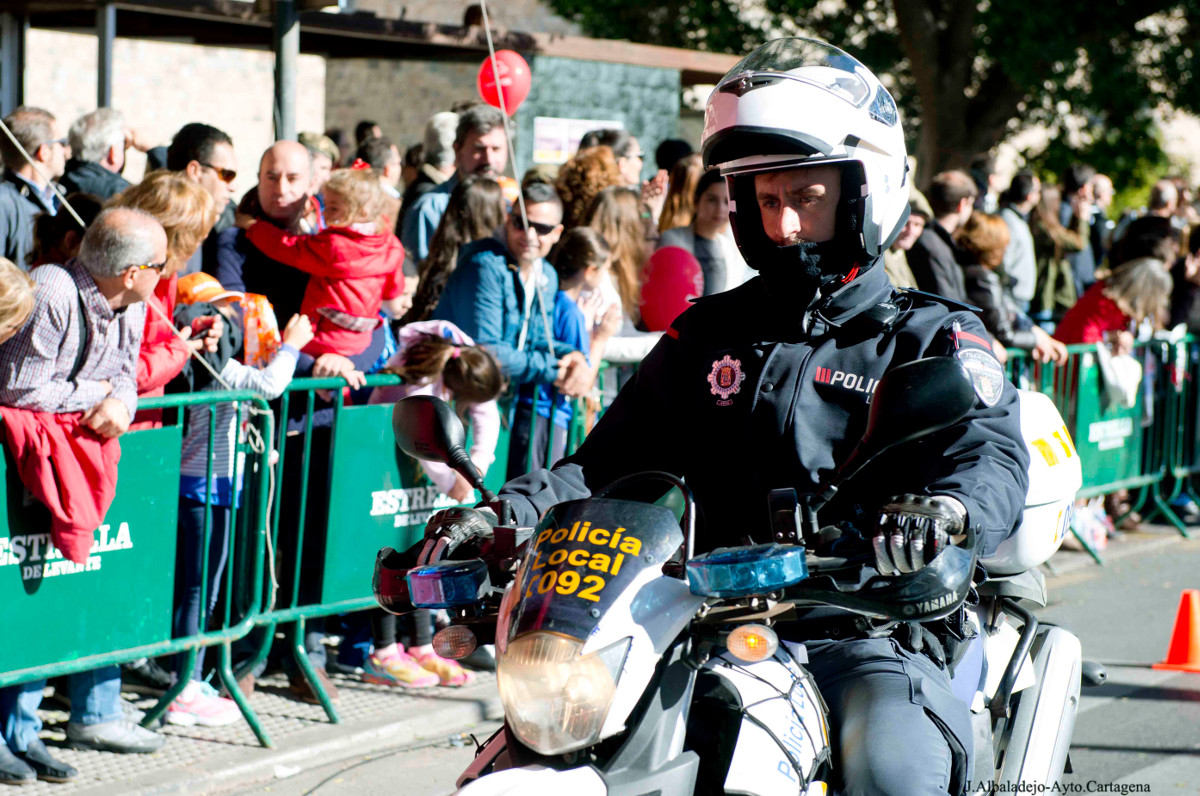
pixel 742 571
pixel 448 584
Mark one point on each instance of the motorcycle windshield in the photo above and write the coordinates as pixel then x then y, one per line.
pixel 583 555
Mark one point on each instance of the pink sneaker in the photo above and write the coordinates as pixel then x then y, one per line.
pixel 397 668
pixel 200 705
pixel 449 673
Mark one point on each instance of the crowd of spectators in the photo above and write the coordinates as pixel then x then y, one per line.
pixel 430 263
pixel 1047 266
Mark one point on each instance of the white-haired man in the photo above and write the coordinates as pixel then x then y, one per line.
pixel 97 142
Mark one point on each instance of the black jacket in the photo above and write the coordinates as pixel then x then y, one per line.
pixel 738 401
pixel 92 178
pixel 934 262
pixel 18 207
pixel 997 309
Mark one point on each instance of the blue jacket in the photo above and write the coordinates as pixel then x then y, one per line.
pixel 422 218
pixel 485 298
pixel 19 206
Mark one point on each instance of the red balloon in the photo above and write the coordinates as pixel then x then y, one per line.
pixel 515 80
pixel 672 278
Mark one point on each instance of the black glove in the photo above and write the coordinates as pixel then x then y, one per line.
pixel 912 529
pixel 449 528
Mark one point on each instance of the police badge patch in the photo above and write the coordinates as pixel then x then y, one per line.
pixel 726 379
pixel 987 377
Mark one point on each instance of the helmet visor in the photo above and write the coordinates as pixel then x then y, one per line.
pixel 809 61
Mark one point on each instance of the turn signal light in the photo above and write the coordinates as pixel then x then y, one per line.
pixel 752 643
pixel 455 642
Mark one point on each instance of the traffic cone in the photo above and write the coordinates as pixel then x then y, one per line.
pixel 1184 653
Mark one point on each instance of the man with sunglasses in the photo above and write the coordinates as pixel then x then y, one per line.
pixel 77 354
pixel 502 295
pixel 205 156
pixel 28 188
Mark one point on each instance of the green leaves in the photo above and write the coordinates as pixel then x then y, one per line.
pixel 970 72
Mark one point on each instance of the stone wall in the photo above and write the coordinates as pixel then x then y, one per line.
pixel 160 86
pixel 402 95
pixel 399 95
pixel 645 99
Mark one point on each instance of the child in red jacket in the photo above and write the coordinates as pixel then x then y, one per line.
pixel 355 263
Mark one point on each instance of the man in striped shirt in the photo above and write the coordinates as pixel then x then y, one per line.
pixel 78 353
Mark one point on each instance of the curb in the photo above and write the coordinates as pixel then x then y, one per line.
pixel 1158 537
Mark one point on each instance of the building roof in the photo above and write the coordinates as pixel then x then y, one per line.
pixel 235 23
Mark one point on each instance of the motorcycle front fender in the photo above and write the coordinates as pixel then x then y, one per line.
pixel 583 781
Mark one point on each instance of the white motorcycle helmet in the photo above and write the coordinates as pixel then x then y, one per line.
pixel 800 102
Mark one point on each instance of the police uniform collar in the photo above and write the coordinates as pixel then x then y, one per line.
pixel 869 288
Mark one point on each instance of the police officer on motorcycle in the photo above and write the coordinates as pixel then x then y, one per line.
pixel 767 386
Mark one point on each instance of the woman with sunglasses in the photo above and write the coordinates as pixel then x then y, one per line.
pixel 187 212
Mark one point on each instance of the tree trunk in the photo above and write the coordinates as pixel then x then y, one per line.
pixel 938 39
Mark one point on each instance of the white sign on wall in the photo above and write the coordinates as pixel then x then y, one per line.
pixel 555 140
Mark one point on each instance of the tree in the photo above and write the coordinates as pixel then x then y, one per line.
pixel 967 73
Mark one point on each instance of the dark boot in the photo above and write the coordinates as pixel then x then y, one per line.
pixel 46 767
pixel 13 770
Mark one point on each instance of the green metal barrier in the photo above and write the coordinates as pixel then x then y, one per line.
pixel 117 607
pixel 342 491
pixel 1119 447
pixel 1182 428
pixel 355 492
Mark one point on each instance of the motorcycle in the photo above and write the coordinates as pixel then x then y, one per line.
pixel 623 657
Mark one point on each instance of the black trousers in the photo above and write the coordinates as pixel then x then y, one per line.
pixel 191 613
pixel 895 726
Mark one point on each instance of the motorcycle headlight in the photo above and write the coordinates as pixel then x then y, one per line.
pixel 554 699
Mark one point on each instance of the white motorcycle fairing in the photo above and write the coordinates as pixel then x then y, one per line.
pixel 530 780
pixel 1055 475
pixel 784 735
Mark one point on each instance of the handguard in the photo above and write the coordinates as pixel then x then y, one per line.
pixel 449 528
pixel 932 592
pixel 446 531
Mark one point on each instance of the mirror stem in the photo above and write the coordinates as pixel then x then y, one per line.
pixel 461 463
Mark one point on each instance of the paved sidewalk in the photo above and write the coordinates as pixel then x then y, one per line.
pixel 1146 538
pixel 197 760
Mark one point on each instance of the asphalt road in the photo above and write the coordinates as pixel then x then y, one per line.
pixel 1143 725
pixel 1141 728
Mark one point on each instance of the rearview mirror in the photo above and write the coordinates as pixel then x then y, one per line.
pixel 911 401
pixel 426 428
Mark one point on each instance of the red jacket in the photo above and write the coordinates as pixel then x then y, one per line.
pixel 69 468
pixel 1092 316
pixel 162 355
pixel 352 273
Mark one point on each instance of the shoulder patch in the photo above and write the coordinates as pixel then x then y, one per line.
pixel 987 376
pixel 933 298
